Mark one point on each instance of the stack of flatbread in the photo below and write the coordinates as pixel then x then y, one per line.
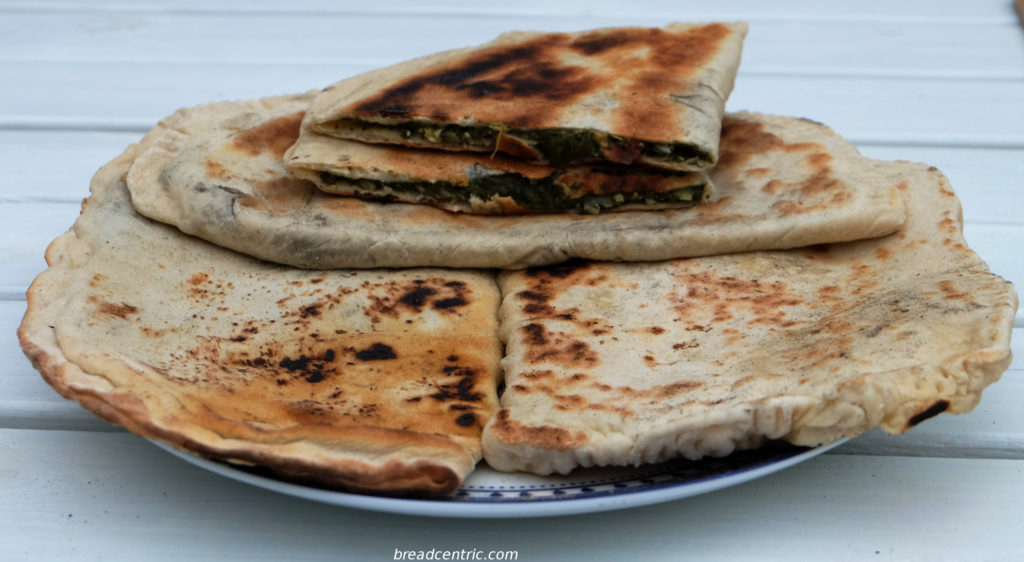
pixel 547 252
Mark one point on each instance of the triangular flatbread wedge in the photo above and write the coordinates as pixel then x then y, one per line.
pixel 650 96
pixel 367 380
pixel 620 364
pixel 781 183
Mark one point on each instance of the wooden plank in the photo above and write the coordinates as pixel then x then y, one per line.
pixel 25 232
pixel 894 111
pixel 133 96
pixel 907 10
pixel 999 246
pixel 987 180
pixel 991 430
pixel 74 495
pixel 945 49
pixel 55 166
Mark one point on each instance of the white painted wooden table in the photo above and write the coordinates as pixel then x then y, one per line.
pixel 934 81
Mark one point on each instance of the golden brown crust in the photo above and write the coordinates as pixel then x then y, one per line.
pixel 529 83
pixel 553 438
pixel 642 362
pixel 418 477
pixel 781 193
pixel 377 381
pixel 661 85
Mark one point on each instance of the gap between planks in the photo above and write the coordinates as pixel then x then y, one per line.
pixel 995 13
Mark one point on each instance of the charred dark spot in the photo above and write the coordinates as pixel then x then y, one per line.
pixel 462 390
pixel 300 364
pixel 535 334
pixel 458 78
pixel 395 111
pixel 560 271
pixel 258 362
pixel 312 369
pixel 466 420
pixel 501 57
pixel 368 410
pixel 580 351
pixel 532 296
pixel 508 73
pixel 417 297
pixel 376 352
pixel 534 308
pixel 934 410
pixel 590 45
pixel 481 89
pixel 447 304
pixel 453 358
pixel 543 80
pixel 544 346
pixel 312 310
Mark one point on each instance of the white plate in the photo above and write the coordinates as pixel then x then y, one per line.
pixel 489 493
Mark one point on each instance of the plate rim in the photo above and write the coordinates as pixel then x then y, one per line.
pixel 502 509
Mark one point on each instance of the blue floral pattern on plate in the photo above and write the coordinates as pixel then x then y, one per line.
pixel 489 493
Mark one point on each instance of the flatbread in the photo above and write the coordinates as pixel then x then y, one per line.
pixel 651 96
pixel 477 183
pixel 781 183
pixel 367 380
pixel 615 364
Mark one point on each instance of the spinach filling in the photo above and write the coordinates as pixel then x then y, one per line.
pixel 675 152
pixel 562 146
pixel 456 135
pixel 542 195
pixel 557 146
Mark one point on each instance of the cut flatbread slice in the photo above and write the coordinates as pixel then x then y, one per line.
pixel 625 95
pixel 781 183
pixel 368 380
pixel 475 183
pixel 615 364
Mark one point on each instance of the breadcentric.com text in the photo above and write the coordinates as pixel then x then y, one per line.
pixel 462 554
